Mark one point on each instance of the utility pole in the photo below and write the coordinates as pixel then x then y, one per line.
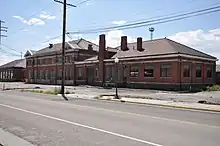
pixel 2 28
pixel 21 55
pixel 63 44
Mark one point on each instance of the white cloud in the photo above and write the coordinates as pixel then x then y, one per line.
pixel 47 37
pixel 119 22
pixel 31 21
pixel 206 41
pixel 25 30
pixel 45 15
pixel 113 38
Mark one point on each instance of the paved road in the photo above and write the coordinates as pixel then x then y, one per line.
pixel 46 120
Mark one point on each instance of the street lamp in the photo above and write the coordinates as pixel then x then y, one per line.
pixel 116 80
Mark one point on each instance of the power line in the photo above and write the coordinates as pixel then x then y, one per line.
pixel 7 53
pixel 82 2
pixel 147 22
pixel 10 48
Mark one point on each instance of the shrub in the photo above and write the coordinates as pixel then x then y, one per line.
pixel 213 88
pixel 57 91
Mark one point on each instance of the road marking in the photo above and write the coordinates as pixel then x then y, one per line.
pixel 118 112
pixel 81 125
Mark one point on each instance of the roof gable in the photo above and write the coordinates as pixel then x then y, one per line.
pixel 75 44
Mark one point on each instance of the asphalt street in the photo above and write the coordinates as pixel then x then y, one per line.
pixel 49 120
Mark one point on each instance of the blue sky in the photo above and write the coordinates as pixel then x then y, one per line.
pixel 23 35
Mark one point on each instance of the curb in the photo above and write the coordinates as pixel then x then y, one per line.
pixel 9 139
pixel 164 105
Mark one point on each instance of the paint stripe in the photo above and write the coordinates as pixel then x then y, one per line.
pixel 81 125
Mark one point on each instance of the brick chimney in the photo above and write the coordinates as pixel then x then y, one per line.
pixel 124 43
pixel 101 57
pixel 139 44
pixel 90 48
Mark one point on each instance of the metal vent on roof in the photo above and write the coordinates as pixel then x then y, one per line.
pixel 50 45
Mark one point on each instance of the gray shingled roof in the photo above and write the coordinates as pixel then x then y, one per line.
pixel 21 63
pixel 75 44
pixel 159 47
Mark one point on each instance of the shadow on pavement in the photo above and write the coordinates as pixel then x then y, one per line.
pixel 64 96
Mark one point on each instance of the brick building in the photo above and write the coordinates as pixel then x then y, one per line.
pixel 13 71
pixel 157 64
pixel 44 66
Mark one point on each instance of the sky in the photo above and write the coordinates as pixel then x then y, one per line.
pixel 32 24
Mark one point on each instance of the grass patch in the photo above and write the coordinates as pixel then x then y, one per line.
pixel 213 88
pixel 52 92
pixel 97 97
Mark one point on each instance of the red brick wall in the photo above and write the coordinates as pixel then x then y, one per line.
pixel 156 78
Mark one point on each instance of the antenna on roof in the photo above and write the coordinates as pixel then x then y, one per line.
pixel 151 29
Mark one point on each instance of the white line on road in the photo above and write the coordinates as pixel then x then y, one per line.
pixel 81 125
pixel 120 112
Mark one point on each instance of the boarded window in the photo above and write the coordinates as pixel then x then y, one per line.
pixel 209 72
pixel 198 71
pixel 186 70
pixel 166 70
pixel 149 71
pixel 134 71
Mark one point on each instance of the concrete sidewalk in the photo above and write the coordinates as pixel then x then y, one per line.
pixel 185 105
pixel 8 139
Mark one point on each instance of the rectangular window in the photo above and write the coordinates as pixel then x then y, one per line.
pixel 166 70
pixel 38 61
pixel 209 72
pixel 46 74
pixel 59 74
pixel 35 74
pixel 149 71
pixel 66 59
pixel 198 71
pixel 69 59
pixel 186 70
pixel 30 74
pixel 96 72
pixel 134 72
pixel 79 73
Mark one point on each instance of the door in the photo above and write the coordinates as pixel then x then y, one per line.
pixel 90 75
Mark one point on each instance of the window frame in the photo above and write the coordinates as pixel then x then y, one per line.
pixel 136 73
pixel 211 69
pixel 198 65
pixel 189 70
pixel 162 66
pixel 148 66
